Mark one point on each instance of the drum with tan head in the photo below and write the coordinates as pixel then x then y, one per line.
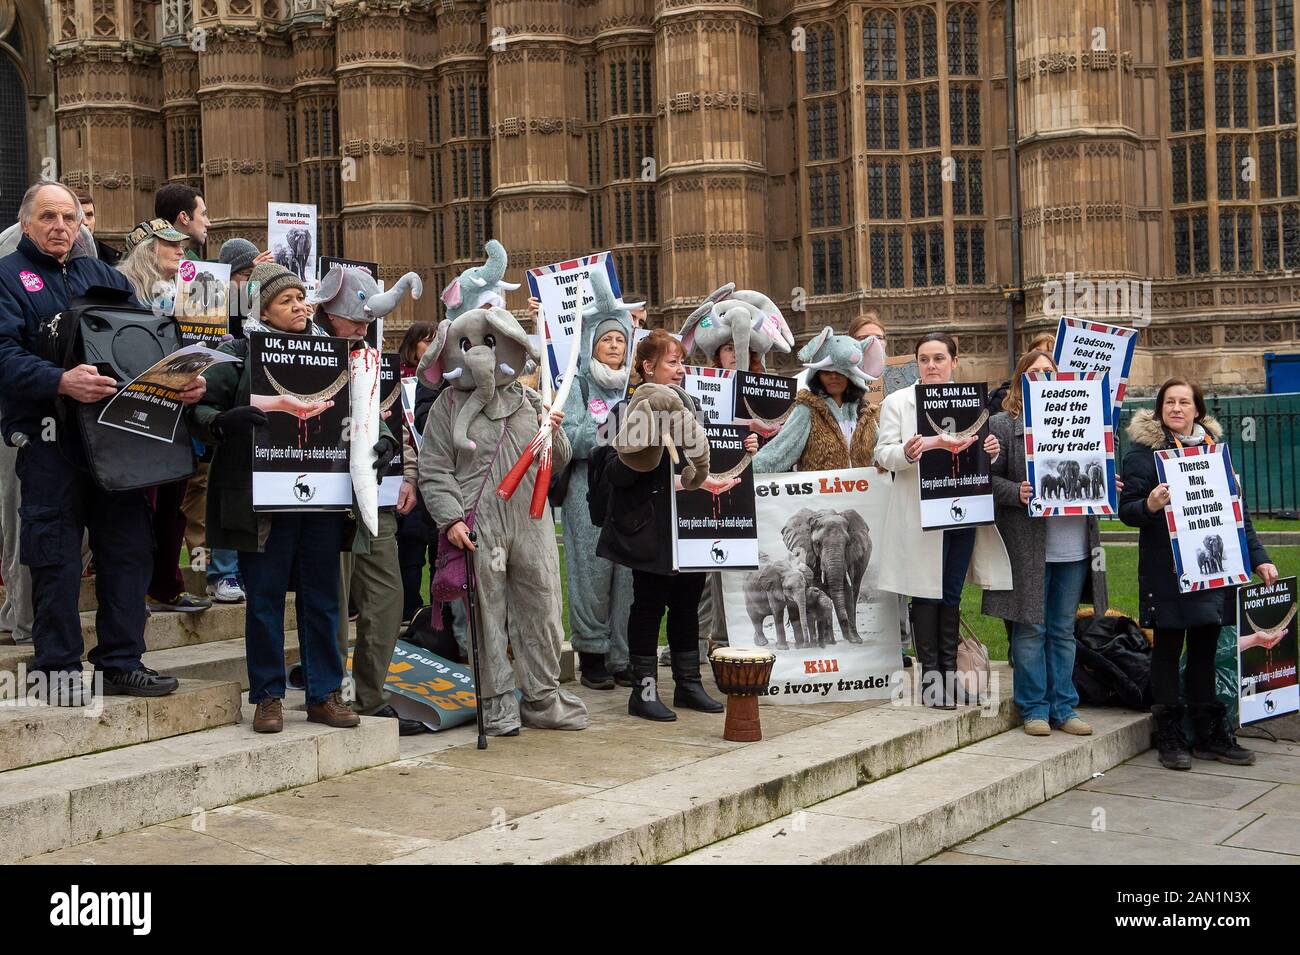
pixel 742 673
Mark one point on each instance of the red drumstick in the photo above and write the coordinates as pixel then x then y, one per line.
pixel 542 485
pixel 510 483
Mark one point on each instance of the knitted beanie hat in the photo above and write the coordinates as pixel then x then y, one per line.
pixel 269 279
pixel 238 254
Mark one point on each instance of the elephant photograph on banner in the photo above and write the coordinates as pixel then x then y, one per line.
pixel 813 599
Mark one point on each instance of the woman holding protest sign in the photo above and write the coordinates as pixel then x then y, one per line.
pixel 932 566
pixel 277 549
pixel 1179 420
pixel 1054 572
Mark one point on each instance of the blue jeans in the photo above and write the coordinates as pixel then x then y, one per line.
pixel 958 546
pixel 1044 653
pixel 303 547
pixel 222 564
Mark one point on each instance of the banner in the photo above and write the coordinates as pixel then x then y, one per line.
pixel 956 489
pixel 1091 346
pixel 390 391
pixel 408 411
pixel 763 397
pixel 202 294
pixel 1266 650
pixel 300 458
pixel 813 598
pixel 559 287
pixel 291 237
pixel 149 404
pixel 718 531
pixel 426 687
pixel 1069 443
pixel 1204 516
pixel 714 389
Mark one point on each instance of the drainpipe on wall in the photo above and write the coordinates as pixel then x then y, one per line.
pixel 1015 292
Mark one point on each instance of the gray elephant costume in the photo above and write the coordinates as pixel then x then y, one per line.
pixel 354 294
pixel 600 592
pixel 475 432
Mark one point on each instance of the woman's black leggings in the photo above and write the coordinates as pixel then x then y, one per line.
pixel 651 595
pixel 1201 645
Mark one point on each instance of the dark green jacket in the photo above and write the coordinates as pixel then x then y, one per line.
pixel 231 521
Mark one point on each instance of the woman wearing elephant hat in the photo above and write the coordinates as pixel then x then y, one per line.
pixel 476 430
pixel 600 592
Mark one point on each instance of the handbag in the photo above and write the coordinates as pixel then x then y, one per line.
pixel 450 578
pixel 973 671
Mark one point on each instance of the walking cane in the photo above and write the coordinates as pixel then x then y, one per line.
pixel 471 601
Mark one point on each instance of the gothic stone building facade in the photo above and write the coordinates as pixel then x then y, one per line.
pixel 843 155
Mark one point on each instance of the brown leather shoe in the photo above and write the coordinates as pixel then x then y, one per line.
pixel 269 717
pixel 332 712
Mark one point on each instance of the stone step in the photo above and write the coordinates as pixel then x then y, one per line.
pixel 917 813
pixel 666 815
pixel 83 798
pixel 36 733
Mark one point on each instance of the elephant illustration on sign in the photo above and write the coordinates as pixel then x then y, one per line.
pixel 1096 480
pixel 295 252
pixel 1209 556
pixel 837 548
pixel 1069 472
pixel 777 589
pixel 819 624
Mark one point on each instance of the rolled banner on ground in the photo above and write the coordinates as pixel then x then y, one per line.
pixel 364 374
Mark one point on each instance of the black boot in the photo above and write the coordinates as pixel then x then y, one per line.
pixel 644 701
pixel 594 676
pixel 688 691
pixel 1169 736
pixel 1213 739
pixel 925 638
pixel 949 639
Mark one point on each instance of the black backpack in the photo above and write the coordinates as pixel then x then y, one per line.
pixel 599 490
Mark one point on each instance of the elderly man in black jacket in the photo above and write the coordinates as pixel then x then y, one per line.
pixel 60 498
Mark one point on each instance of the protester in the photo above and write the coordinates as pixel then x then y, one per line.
pixel 242 257
pixel 1044 342
pixel 280 550
pixel 638 531
pixel 1055 570
pixel 832 425
pixel 600 592
pixel 60 498
pixel 415 534
pixel 106 253
pixel 154 252
pixel 346 303
pixel 1179 420
pixel 476 430
pixel 184 208
pixel 932 566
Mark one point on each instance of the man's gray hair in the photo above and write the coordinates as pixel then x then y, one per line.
pixel 29 200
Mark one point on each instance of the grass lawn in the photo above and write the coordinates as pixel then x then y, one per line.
pixel 1261 524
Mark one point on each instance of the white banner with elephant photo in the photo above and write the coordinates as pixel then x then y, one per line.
pixel 813 599
pixel 291 237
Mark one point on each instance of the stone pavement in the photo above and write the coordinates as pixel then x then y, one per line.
pixel 1140 813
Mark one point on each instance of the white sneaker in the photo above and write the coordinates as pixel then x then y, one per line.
pixel 226 591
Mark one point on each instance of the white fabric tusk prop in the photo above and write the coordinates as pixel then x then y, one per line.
pixel 478 281
pixel 454 374
pixel 504 367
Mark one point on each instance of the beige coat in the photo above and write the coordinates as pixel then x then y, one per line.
pixel 916 556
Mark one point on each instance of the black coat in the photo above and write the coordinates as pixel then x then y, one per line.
pixel 1161 602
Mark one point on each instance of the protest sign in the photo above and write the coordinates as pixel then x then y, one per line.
pixel 390 391
pixel 1204 515
pixel 714 389
pixel 202 296
pixel 1267 651
pixel 291 237
pixel 813 597
pixel 1069 443
pixel 562 288
pixel 717 531
pixel 764 398
pixel 426 687
pixel 1084 346
pixel 900 372
pixel 300 457
pixel 408 411
pixel 956 489
pixel 149 404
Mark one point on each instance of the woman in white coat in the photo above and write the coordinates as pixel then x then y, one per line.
pixel 976 553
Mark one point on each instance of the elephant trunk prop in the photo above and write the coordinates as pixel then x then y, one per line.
pixel 740 329
pixel 481 362
pixel 383 303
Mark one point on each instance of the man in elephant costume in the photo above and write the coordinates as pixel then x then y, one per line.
pixel 476 430
pixel 600 592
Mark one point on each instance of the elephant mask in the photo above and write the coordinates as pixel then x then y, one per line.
pixel 861 362
pixel 480 286
pixel 749 320
pixel 605 314
pixel 480 351
pixel 354 294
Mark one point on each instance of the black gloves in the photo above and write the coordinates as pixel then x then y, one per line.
pixel 386 449
pixel 243 418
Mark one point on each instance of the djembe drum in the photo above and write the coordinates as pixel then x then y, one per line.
pixel 742 673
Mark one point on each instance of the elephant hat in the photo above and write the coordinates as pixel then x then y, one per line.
pixel 480 286
pixel 353 293
pixel 861 362
pixel 750 320
pixel 605 314
pixel 480 351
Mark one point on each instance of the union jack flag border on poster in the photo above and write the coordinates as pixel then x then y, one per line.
pixel 1240 574
pixel 1037 504
pixel 714 389
pixel 1118 369
pixel 557 344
